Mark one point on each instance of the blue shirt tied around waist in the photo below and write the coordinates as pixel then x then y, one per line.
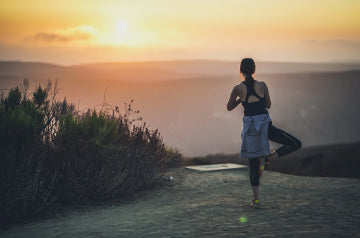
pixel 254 135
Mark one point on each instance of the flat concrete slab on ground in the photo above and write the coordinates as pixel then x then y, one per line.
pixel 214 167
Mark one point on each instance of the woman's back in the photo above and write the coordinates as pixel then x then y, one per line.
pixel 254 98
pixel 259 89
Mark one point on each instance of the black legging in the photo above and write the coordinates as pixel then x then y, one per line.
pixel 289 142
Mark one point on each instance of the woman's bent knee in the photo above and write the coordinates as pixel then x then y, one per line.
pixel 297 144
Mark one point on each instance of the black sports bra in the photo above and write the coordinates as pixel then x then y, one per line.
pixel 254 108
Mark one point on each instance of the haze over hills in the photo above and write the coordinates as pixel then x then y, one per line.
pixel 185 68
pixel 186 100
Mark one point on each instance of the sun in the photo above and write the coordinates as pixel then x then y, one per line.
pixel 116 34
pixel 121 27
pixel 121 33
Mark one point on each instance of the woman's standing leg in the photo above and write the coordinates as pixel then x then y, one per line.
pixel 289 142
pixel 254 176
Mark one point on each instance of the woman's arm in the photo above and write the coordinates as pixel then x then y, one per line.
pixel 267 96
pixel 232 103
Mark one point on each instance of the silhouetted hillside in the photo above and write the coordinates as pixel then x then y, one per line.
pixel 27 68
pixel 185 68
pixel 338 160
pixel 214 67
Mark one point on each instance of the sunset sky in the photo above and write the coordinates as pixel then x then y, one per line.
pixel 70 32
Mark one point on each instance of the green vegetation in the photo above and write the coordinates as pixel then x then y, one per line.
pixel 52 154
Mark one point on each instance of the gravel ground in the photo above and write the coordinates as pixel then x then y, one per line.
pixel 216 204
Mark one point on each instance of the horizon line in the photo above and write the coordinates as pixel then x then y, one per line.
pixel 178 60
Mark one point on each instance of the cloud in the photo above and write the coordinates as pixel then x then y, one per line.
pixel 79 33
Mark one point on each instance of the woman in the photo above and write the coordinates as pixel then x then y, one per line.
pixel 257 127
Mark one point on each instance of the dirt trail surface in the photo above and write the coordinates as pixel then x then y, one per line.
pixel 216 204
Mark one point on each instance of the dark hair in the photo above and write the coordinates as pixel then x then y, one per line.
pixel 247 67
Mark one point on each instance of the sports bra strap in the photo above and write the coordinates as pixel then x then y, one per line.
pixel 250 90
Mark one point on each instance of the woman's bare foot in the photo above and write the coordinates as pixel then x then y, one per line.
pixel 273 155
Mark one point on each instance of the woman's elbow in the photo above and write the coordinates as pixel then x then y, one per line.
pixel 229 107
pixel 267 104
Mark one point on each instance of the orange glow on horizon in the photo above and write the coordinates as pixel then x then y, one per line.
pixel 142 30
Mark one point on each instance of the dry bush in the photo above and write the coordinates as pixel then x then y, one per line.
pixel 50 153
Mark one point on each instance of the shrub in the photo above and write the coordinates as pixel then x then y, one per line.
pixel 25 183
pixel 51 153
pixel 103 158
pixel 173 158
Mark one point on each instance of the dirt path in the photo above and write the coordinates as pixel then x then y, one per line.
pixel 198 204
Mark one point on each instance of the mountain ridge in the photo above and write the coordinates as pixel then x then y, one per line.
pixel 204 67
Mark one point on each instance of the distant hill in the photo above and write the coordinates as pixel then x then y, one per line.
pixel 337 160
pixel 186 100
pixel 213 67
pixel 184 68
pixel 17 68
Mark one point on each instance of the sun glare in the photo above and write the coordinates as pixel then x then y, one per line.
pixel 121 34
pixel 121 27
